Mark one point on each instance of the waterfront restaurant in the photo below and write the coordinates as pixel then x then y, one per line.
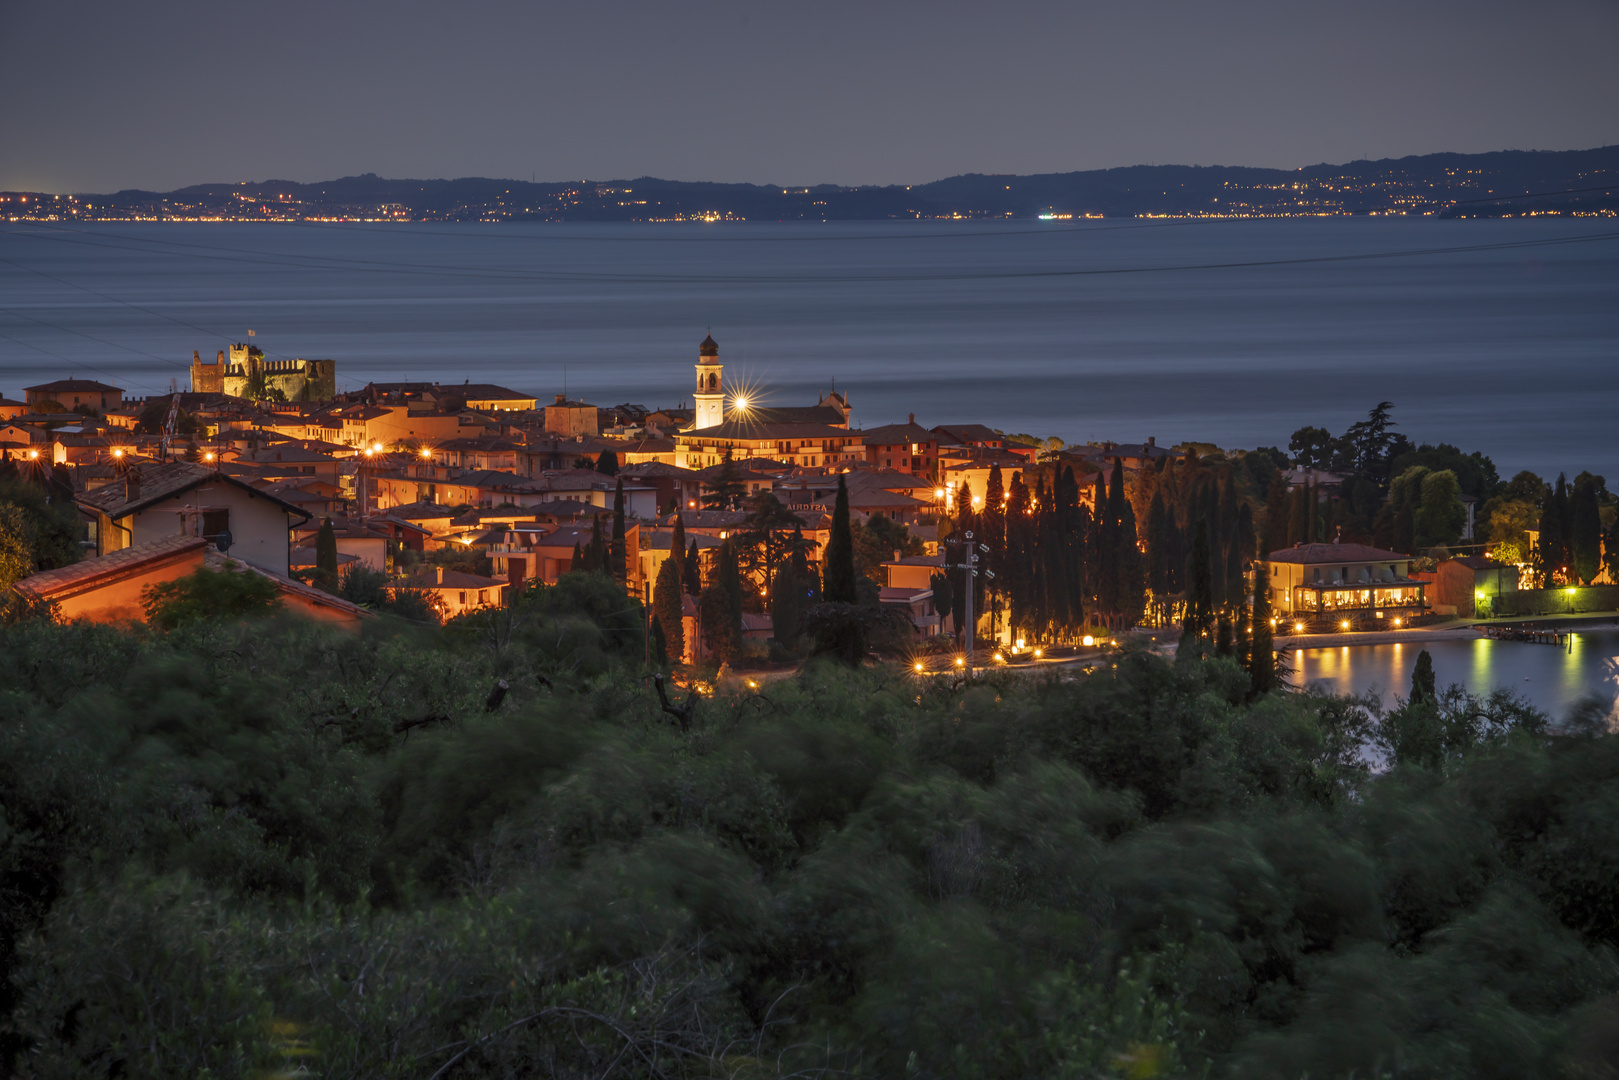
pixel 1344 581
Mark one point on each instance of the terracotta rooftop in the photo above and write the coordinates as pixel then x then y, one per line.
pixel 131 560
pixel 69 386
pixel 155 483
pixel 428 578
pixel 1311 554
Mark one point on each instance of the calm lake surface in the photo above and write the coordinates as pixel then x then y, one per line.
pixel 1550 678
pixel 1231 332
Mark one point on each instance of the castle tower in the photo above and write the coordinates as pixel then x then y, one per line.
pixel 709 399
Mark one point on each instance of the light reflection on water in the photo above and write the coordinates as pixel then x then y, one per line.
pixel 1551 678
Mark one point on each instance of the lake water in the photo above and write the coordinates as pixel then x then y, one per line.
pixel 1230 332
pixel 1552 679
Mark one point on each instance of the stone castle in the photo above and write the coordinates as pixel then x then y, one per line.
pixel 290 380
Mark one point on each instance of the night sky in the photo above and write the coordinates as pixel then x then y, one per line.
pixel 100 96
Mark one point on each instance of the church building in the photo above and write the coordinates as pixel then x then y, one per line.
pixel 816 436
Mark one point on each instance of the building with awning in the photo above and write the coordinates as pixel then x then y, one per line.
pixel 1344 581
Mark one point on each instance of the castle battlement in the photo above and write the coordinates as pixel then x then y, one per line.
pixel 247 374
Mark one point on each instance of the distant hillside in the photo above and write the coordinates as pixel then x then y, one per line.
pixel 1504 183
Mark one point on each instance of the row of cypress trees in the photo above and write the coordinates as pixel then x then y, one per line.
pixel 1059 565
pixel 1062 566
pixel 1570 525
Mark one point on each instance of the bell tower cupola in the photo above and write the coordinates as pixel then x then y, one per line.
pixel 709 399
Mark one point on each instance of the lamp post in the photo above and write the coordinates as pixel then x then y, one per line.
pixel 969 564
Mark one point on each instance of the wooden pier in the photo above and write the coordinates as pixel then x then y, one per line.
pixel 1523 633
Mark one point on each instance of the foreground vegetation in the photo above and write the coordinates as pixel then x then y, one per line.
pixel 248 846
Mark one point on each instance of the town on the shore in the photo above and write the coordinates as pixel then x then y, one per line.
pixel 753 532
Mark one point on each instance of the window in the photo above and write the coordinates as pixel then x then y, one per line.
pixel 462 599
pixel 215 522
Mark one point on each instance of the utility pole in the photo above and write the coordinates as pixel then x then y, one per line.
pixel 969 564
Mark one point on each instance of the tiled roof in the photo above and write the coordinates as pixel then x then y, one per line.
pixel 487 392
pixel 155 483
pixel 307 556
pixel 421 511
pixel 69 386
pixel 708 519
pixel 968 432
pixel 889 595
pixel 650 469
pixel 898 435
pixel 453 579
pixel 662 539
pixel 1310 554
pixel 217 560
pixel 773 427
pixel 109 567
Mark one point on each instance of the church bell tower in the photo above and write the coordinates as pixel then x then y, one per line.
pixel 709 400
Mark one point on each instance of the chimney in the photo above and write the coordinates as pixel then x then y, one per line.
pixel 221 356
pixel 911 419
pixel 196 357
pixel 561 398
pixel 1152 440
pixel 438 575
pixel 132 486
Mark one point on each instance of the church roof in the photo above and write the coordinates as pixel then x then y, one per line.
pixel 709 347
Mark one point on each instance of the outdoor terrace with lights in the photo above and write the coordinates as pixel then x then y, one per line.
pixel 1344 583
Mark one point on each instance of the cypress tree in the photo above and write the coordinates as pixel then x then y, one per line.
pixel 1018 556
pixel 1276 513
pixel 1423 689
pixel 326 557
pixel 730 582
pixel 666 600
pixel 1132 583
pixel 1237 555
pixel 1298 524
pixel 692 573
pixel 578 560
pixel 607 463
pixel 1553 547
pixel 677 550
pixel 1157 537
pixel 1610 551
pixel 1585 534
pixel 1105 555
pixel 660 646
pixel 1199 618
pixel 596 552
pixel 1261 652
pixel 617 562
pixel 787 605
pixel 838 586
pixel 807 578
